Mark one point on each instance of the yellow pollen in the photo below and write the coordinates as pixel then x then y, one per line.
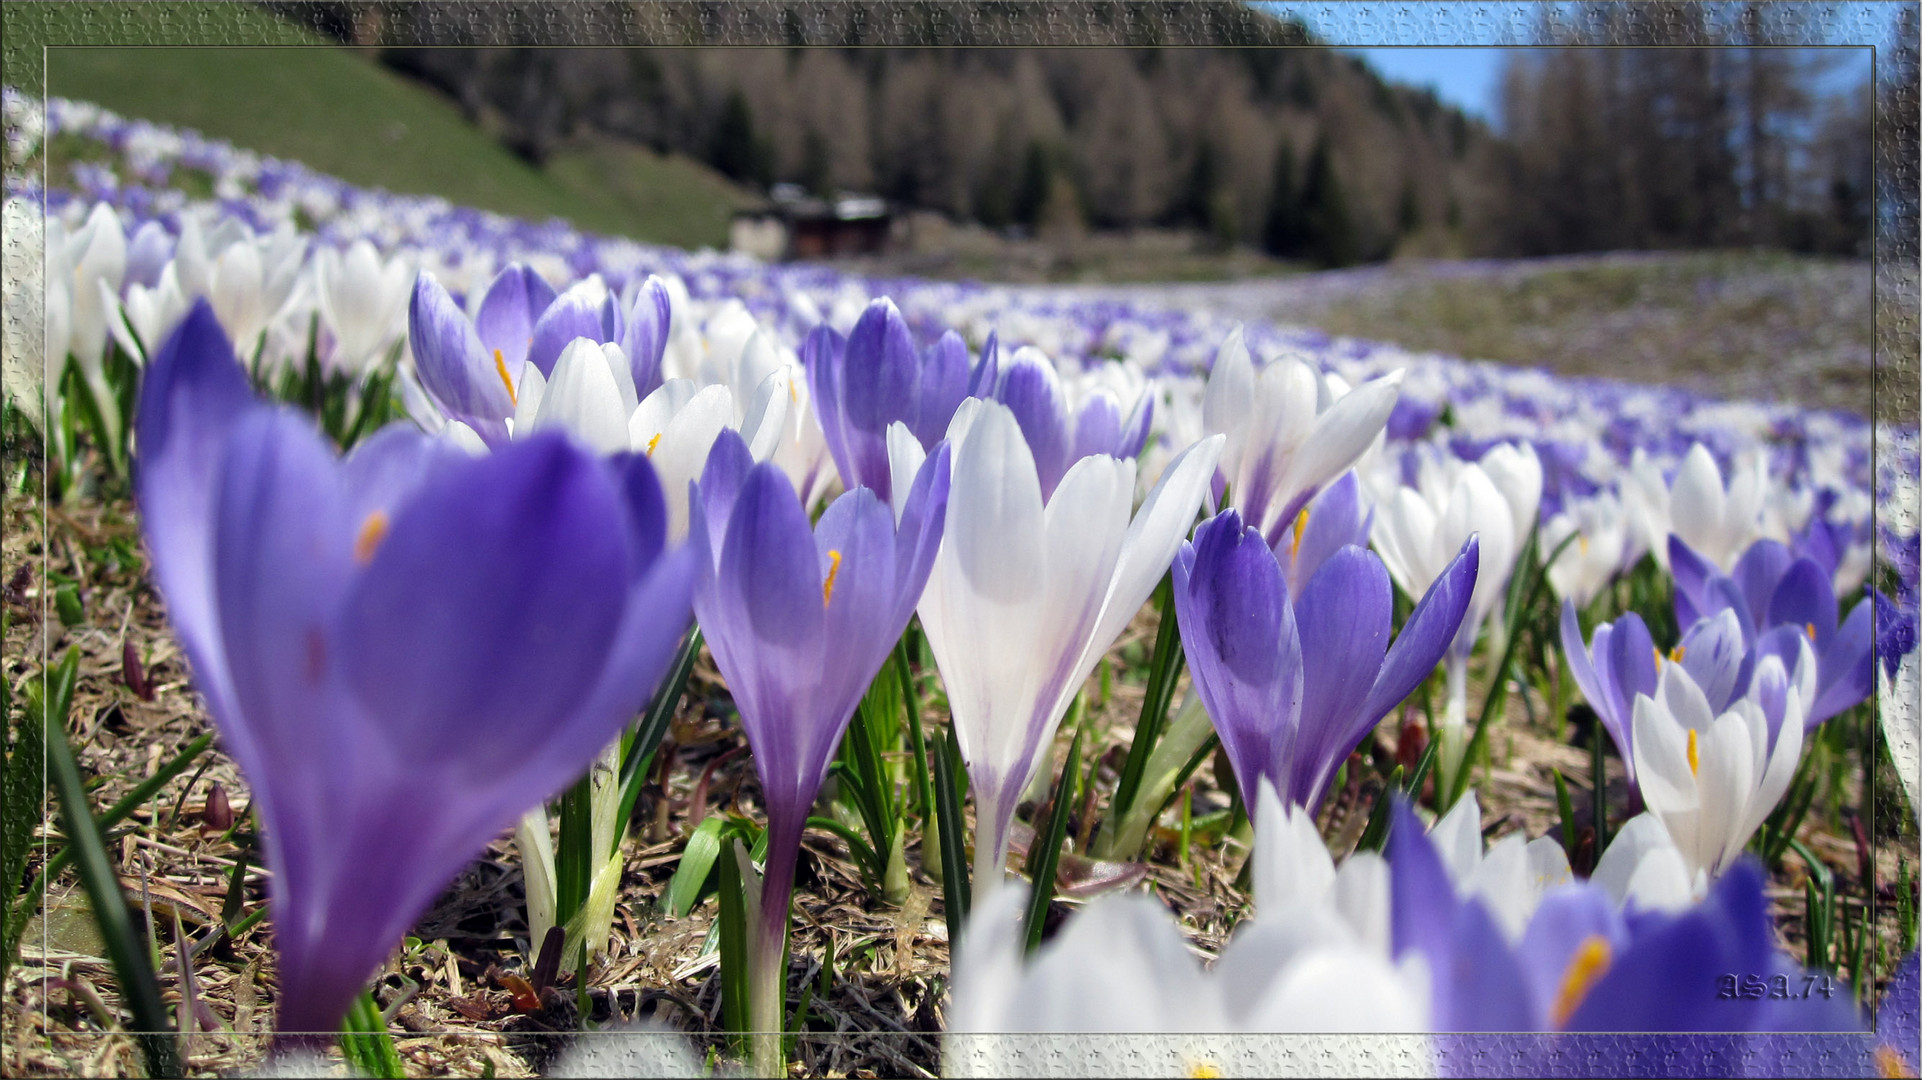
pixel 1677 653
pixel 793 394
pixel 1809 629
pixel 1694 758
pixel 1581 542
pixel 652 443
pixel 1590 963
pixel 500 368
pixel 372 531
pixel 1301 525
pixel 1658 658
pixel 1204 1069
pixel 1889 1062
pixel 834 569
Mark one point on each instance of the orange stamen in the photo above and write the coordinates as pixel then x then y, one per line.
pixel 500 368
pixel 1588 966
pixel 372 531
pixel 834 570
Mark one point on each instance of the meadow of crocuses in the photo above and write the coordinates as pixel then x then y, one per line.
pixel 450 513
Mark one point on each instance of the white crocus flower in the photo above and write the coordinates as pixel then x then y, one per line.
pixel 362 299
pixel 1713 780
pixel 1517 473
pixel 1716 522
pixel 1510 878
pixel 1645 502
pixel 1642 868
pixel 95 261
pixel 1418 532
pixel 1297 883
pixel 1026 596
pixel 742 355
pixel 677 425
pixel 587 396
pixel 247 279
pixel 1586 566
pixel 592 395
pixel 1119 993
pixel 1902 725
pixel 141 324
pixel 1287 429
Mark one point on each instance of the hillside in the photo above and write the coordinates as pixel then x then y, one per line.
pixel 334 110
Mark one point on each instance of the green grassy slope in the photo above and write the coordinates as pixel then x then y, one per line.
pixel 336 111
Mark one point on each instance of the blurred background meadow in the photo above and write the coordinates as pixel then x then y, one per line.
pixel 1482 193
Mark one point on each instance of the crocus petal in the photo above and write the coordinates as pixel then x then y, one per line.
pixel 505 322
pixel 1345 617
pixel 1097 430
pixel 1758 573
pixel 1426 635
pixel 530 540
pixel 1240 635
pixel 1031 390
pixel 1692 573
pixel 1847 666
pixel 1803 599
pixel 583 397
pixel 644 338
pixel 191 395
pixel 452 364
pixel 575 313
pixel 944 382
pixel 1715 660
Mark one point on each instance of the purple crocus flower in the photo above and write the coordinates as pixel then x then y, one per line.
pixel 508 311
pixel 874 377
pixel 403 650
pixel 1621 661
pixel 1778 597
pixel 800 619
pixel 467 380
pixel 1583 965
pixel 148 252
pixel 586 310
pixel 1058 436
pixel 1294 683
pixel 1336 518
pixel 644 338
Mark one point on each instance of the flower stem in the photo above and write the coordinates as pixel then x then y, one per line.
pixel 767 980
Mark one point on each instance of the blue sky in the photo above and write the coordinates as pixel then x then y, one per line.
pixel 1460 76
pixel 1469 75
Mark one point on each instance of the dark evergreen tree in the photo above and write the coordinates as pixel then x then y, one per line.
pixel 1037 181
pixel 738 152
pixel 1331 238
pixel 1284 234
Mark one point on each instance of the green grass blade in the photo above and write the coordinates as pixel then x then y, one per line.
pixel 23 807
pixel 955 897
pixel 1045 854
pixel 365 1041
pixel 133 964
pixel 1163 670
pixel 1498 690
pixel 1376 830
pixel 734 951
pixel 911 701
pixel 697 861
pixel 644 739
pixel 1567 808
